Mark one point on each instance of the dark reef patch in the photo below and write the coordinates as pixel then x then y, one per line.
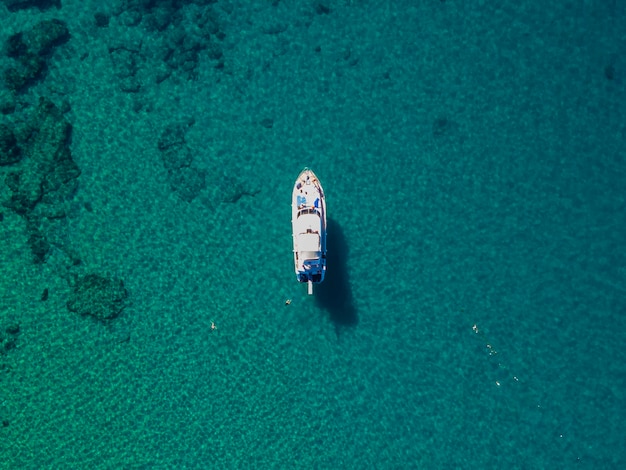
pixel 9 331
pixel 100 297
pixel 15 5
pixel 173 42
pixel 185 180
pixel 10 152
pixel 49 172
pixel 45 175
pixel 30 51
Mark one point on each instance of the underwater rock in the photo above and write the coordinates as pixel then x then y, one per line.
pixel 15 5
pixel 176 157
pixel 7 102
pixel 25 190
pixel 126 62
pixel 158 19
pixel 184 179
pixel 30 50
pixel 98 296
pixel 10 152
pixel 49 148
pixel 322 8
pixel 174 152
pixel 49 173
pixel 609 72
pixel 187 182
pixel 130 85
pixel 29 70
pixel 177 33
pixel 442 126
pixel 101 19
pixel 232 189
pixel 38 243
pixel 45 36
pixel 8 336
pixel 183 52
pixel 174 134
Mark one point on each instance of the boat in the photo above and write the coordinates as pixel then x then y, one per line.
pixel 308 222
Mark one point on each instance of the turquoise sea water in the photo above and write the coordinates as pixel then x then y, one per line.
pixel 474 311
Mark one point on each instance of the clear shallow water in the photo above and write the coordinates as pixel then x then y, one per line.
pixel 473 314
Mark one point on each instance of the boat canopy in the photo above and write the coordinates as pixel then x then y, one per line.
pixel 309 219
pixel 309 242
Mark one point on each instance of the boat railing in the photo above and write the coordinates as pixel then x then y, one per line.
pixel 309 210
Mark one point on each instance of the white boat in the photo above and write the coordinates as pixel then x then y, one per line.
pixel 308 222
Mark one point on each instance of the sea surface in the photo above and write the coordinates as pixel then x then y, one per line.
pixel 473 155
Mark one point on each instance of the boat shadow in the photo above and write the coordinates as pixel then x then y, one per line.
pixel 334 294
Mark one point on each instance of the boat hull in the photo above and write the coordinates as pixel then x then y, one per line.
pixel 308 221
